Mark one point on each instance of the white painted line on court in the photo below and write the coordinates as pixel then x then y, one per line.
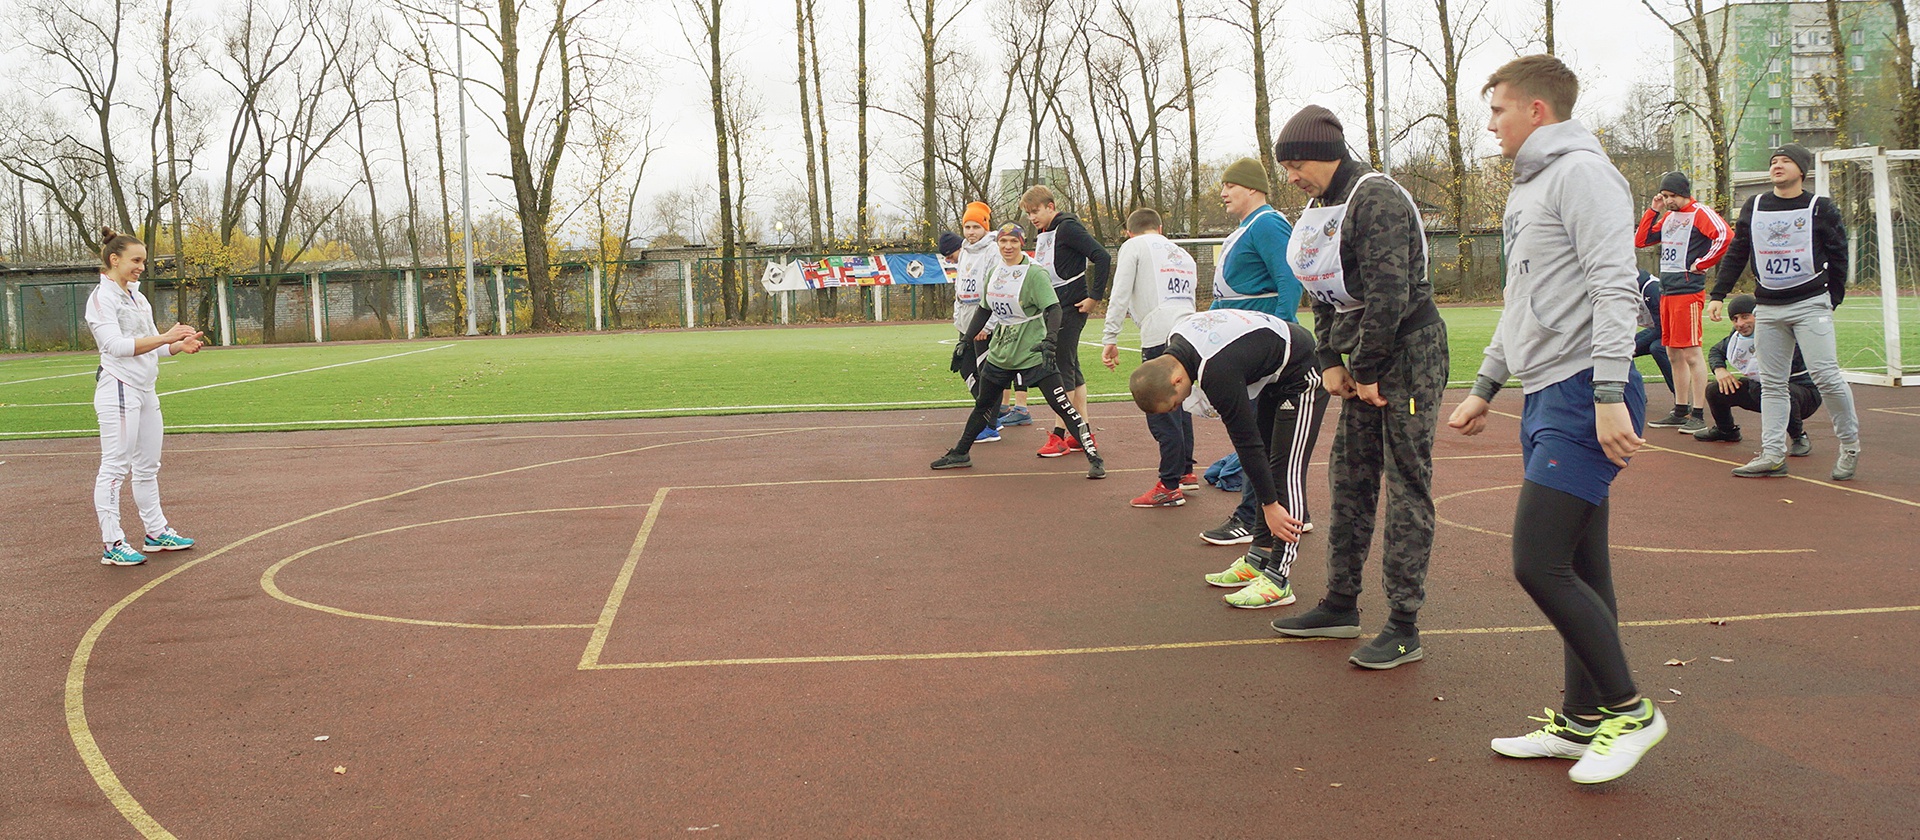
pixel 372 422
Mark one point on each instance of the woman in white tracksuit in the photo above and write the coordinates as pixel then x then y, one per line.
pixel 123 397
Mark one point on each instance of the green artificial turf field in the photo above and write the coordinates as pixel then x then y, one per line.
pixel 605 375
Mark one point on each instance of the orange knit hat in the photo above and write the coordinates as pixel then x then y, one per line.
pixel 979 213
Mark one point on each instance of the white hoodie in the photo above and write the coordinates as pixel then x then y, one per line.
pixel 118 316
pixel 1572 294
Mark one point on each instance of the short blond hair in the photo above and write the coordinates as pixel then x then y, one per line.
pixel 1035 196
pixel 1541 77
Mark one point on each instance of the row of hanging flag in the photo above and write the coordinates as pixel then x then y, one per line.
pixel 857 270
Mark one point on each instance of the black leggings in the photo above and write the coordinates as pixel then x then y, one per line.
pixel 1560 558
pixel 993 382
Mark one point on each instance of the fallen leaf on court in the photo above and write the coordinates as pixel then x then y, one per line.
pixel 340 770
pixel 1301 769
pixel 320 737
pixel 1676 692
pixel 1439 699
pixel 1333 784
pixel 1666 701
pixel 1679 662
pixel 1719 659
pixel 1788 501
pixel 1430 760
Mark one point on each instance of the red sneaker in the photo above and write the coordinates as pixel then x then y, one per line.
pixel 1055 446
pixel 1073 445
pixel 1160 496
pixel 1189 482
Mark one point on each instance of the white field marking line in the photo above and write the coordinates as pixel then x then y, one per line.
pixel 90 453
pixel 58 376
pixel 552 415
pixel 307 370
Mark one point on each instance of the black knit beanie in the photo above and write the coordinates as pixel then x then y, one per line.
pixel 949 243
pixel 1740 305
pixel 1799 155
pixel 1676 183
pixel 1313 134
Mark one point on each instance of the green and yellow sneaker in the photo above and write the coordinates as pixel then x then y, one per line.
pixel 1260 593
pixel 1237 575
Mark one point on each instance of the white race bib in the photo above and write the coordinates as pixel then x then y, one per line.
pixel 1175 273
pixel 1783 247
pixel 1313 252
pixel 1743 355
pixel 1222 291
pixel 1216 328
pixel 1676 233
pixel 1003 294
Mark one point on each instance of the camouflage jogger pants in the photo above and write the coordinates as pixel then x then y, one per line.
pixel 1396 440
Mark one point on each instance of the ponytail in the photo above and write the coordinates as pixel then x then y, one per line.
pixel 111 244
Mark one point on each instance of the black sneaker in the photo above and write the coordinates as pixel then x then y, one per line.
pixel 1694 425
pixel 1096 467
pixel 953 461
pixel 1320 623
pixel 1674 420
pixel 1712 434
pixel 1802 446
pixel 1231 532
pixel 1391 649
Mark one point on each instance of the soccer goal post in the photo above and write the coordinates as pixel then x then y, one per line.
pixel 1878 326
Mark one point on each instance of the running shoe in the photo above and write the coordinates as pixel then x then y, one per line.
pixel 953 461
pixel 1760 467
pixel 1189 482
pixel 1673 420
pixel 168 540
pixel 1715 434
pixel 987 435
pixel 1694 425
pixel 1619 742
pixel 1096 467
pixel 1054 448
pixel 1016 415
pixel 1848 461
pixel 1802 446
pixel 1560 737
pixel 1072 444
pixel 1321 623
pixel 1160 496
pixel 1231 532
pixel 1237 575
pixel 1391 649
pixel 121 554
pixel 1259 594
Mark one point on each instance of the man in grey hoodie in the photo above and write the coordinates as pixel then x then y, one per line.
pixel 1567 333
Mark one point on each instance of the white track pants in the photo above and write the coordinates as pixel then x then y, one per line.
pixel 130 431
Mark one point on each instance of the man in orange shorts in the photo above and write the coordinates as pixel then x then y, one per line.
pixel 1692 238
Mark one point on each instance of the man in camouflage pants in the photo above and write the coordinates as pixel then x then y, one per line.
pixel 1360 250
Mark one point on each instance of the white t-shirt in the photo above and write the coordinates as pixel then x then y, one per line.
pixel 1153 282
pixel 118 316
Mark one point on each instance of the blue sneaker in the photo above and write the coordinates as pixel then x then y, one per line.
pixel 121 554
pixel 987 435
pixel 1016 416
pixel 168 540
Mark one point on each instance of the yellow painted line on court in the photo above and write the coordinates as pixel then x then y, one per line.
pixel 1649 549
pixel 590 658
pixel 1902 411
pixel 1814 481
pixel 269 580
pixel 76 686
pixel 944 477
pixel 447 441
pixel 1221 643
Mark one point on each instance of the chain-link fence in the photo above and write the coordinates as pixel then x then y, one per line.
pixel 361 305
pixel 644 294
pixel 48 316
pixel 271 308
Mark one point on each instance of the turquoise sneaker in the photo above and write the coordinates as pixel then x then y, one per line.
pixel 168 540
pixel 121 554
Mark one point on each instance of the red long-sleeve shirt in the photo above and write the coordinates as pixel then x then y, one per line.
pixel 1706 244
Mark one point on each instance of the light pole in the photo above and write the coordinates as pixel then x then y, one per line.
pixel 466 205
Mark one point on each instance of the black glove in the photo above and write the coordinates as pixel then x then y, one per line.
pixel 959 352
pixel 1049 349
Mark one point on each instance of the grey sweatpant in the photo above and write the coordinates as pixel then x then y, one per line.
pixel 1776 327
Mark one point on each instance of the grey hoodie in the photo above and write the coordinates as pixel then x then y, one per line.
pixel 1571 296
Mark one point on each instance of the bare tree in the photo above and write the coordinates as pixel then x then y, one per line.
pixel 806 124
pixel 711 61
pixel 931 29
pixel 1833 87
pixel 1365 35
pixel 1193 121
pixel 1258 21
pixel 1907 115
pixel 863 222
pixel 1457 25
pixel 1549 25
pixel 820 115
pixel 1708 50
